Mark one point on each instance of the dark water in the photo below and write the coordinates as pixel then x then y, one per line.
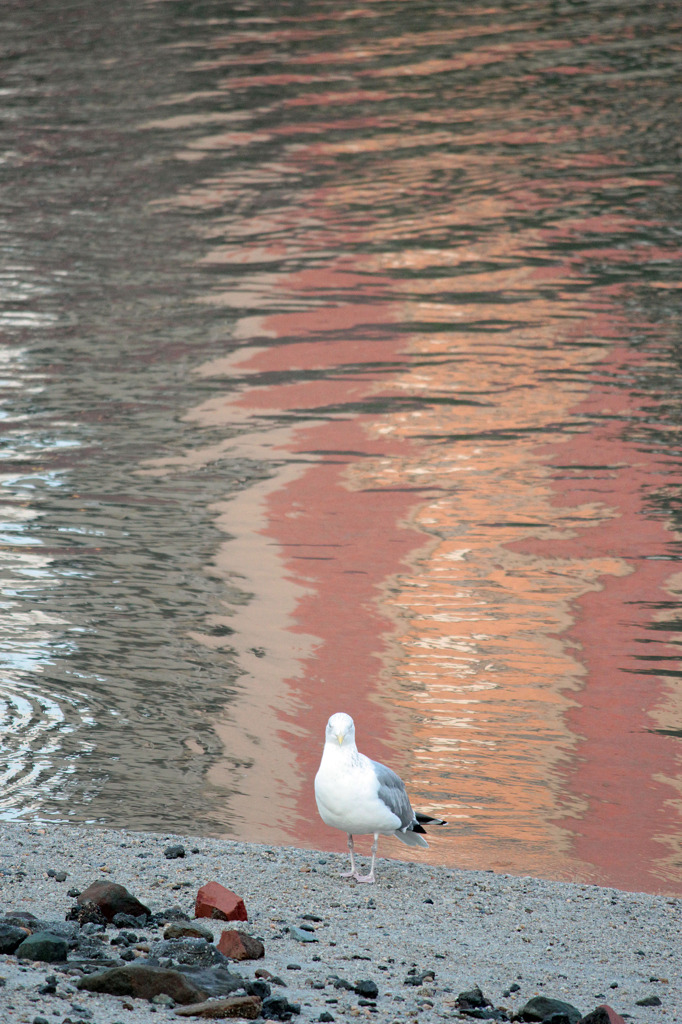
pixel 342 371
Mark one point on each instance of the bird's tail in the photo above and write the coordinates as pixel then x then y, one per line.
pixel 410 838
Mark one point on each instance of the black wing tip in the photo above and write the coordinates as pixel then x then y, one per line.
pixel 426 819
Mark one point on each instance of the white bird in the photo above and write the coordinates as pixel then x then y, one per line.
pixel 360 796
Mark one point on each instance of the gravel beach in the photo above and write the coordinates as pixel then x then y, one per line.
pixel 515 938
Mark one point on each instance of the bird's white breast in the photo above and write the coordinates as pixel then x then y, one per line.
pixel 346 790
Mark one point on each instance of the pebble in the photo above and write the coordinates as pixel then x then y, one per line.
pixel 301 934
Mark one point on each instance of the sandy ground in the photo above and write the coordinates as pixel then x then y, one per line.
pixel 583 944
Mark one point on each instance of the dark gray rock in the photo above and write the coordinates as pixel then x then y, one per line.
pixel 11 936
pixel 22 919
pixel 173 852
pixel 128 921
pixel 540 1008
pixel 491 1013
pixel 279 1008
pixel 341 983
pixel 649 1001
pixel 214 981
pixel 417 978
pixel 93 928
pixel 258 988
pixel 67 929
pixel 197 952
pixel 172 914
pixel 472 999
pixel 366 988
pixel 43 946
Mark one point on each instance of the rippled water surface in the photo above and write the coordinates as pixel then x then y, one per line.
pixel 341 370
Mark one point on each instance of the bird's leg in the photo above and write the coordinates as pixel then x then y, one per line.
pixel 370 876
pixel 352 873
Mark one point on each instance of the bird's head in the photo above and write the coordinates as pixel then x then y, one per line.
pixel 340 729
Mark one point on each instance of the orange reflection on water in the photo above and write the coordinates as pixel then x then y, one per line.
pixel 451 543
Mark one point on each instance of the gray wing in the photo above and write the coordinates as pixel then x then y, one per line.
pixel 393 793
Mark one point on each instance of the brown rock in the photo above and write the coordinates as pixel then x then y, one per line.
pixel 602 1015
pixel 112 899
pixel 246 1007
pixel 214 900
pixel 240 946
pixel 142 982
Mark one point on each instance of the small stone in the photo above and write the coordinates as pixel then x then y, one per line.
pixel 172 914
pixel 279 1008
pixel 73 893
pixel 259 988
pixel 40 1020
pixel 244 1007
pixel 43 946
pixel 341 983
pixel 539 1008
pixel 198 952
pixel 180 930
pixel 325 1016
pixel 238 945
pixel 173 852
pixel 649 1001
pixel 366 988
pixel 60 876
pixel 163 999
pixel 127 921
pixel 302 934
pixel 215 901
pixel 417 978
pixel 472 999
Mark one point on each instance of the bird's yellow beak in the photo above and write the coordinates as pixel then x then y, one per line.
pixel 339 737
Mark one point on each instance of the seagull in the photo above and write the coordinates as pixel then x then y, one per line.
pixel 360 796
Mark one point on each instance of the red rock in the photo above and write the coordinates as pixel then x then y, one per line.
pixel 240 946
pixel 246 1007
pixel 602 1015
pixel 214 900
